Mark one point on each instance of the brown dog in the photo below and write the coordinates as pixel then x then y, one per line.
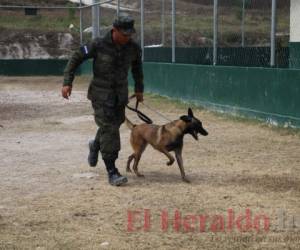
pixel 165 138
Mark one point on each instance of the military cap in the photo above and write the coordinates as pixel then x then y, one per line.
pixel 124 23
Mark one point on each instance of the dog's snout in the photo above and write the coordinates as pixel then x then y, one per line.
pixel 203 132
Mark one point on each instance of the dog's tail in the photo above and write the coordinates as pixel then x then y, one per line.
pixel 129 124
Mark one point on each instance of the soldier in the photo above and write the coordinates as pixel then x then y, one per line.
pixel 112 56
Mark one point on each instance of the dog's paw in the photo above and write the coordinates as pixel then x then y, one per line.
pixel 186 180
pixel 141 175
pixel 169 163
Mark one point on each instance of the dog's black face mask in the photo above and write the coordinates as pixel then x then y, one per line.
pixel 194 125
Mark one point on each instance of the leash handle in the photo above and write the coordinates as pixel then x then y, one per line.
pixel 137 102
pixel 141 115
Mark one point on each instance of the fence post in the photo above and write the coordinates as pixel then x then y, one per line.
pixel 273 34
pixel 173 30
pixel 95 20
pixel 118 8
pixel 80 23
pixel 243 24
pixel 142 28
pixel 215 42
pixel 163 22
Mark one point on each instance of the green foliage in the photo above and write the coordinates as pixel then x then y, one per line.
pixel 39 22
pixel 239 3
pixel 71 11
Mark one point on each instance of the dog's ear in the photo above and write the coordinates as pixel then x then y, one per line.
pixel 190 112
pixel 186 118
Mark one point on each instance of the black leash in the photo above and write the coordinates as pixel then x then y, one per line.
pixel 141 115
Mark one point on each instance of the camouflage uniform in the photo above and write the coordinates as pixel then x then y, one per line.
pixel 108 90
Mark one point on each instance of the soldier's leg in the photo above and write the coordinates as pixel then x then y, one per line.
pixel 94 146
pixel 101 121
pixel 97 138
pixel 109 140
pixel 108 136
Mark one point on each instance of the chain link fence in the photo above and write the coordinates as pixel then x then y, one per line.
pixel 193 32
pixel 245 33
pixel 243 30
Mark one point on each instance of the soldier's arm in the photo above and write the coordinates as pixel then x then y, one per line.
pixel 137 71
pixel 85 52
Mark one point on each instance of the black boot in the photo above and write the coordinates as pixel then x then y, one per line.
pixel 93 154
pixel 114 177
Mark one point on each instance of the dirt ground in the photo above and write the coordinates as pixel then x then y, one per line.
pixel 51 198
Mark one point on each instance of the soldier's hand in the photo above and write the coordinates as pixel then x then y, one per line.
pixel 66 91
pixel 139 97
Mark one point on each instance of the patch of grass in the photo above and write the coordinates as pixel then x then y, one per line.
pixel 159 101
pixel 283 131
pixel 257 122
pixel 39 22
pixel 44 21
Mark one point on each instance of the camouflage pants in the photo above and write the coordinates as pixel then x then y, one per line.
pixel 109 120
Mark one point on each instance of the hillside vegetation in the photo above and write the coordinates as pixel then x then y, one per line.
pixel 194 21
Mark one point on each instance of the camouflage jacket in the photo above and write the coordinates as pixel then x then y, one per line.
pixel 111 64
